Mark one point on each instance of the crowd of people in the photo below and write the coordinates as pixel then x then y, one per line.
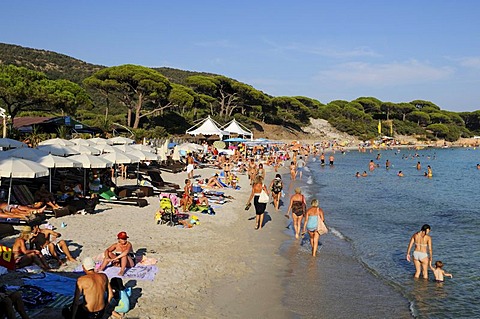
pixel 36 245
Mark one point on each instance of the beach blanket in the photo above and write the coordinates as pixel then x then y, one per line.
pixel 144 269
pixel 137 272
pixel 53 283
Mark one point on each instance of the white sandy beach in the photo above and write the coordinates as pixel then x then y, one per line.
pixel 224 249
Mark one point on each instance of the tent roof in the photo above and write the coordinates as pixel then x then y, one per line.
pixel 207 127
pixel 234 127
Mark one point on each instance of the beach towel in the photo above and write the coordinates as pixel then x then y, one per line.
pixel 137 272
pixel 53 283
pixel 144 269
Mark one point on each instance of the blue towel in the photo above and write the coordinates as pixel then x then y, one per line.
pixel 54 283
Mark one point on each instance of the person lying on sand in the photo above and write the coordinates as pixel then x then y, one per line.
pixel 20 210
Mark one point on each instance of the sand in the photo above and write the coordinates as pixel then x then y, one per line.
pixel 222 267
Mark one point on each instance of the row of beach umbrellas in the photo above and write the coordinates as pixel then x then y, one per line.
pixel 24 162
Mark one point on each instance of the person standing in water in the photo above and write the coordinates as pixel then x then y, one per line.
pixel 421 258
pixel 297 207
pixel 313 216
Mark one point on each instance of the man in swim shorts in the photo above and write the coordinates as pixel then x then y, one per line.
pixel 190 165
pixel 93 287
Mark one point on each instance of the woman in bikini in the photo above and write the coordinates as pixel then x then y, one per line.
pixel 293 170
pixel 421 258
pixel 313 215
pixel 26 257
pixel 297 207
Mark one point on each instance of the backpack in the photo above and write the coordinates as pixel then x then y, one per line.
pixel 277 186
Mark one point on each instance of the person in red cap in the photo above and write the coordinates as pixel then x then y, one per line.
pixel 119 254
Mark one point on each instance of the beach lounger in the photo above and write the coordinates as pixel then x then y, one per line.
pixel 157 180
pixel 140 202
pixel 24 196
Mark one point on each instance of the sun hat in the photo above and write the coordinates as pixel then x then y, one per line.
pixel 88 263
pixel 122 235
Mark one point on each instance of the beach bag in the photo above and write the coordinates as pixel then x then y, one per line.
pixel 277 186
pixel 263 198
pixel 321 228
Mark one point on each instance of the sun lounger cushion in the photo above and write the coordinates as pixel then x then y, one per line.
pixel 23 194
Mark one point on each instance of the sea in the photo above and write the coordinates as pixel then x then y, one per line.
pixel 372 219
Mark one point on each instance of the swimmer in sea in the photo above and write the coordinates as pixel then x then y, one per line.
pixel 429 171
pixel 364 174
pixel 400 174
pixel 419 167
pixel 357 174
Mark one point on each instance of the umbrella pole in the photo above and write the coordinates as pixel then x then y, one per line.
pixel 50 179
pixel 10 190
pixel 84 181
pixel 115 172
pixel 138 171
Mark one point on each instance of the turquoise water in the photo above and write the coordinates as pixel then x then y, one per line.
pixel 378 214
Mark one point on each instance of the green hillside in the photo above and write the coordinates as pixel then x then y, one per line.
pixel 159 101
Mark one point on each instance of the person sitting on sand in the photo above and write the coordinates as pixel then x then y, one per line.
pixel 95 290
pixel 47 242
pixel 44 196
pixel 213 182
pixel 26 257
pixel 119 254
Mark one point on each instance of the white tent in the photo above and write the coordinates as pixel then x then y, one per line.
pixel 207 127
pixel 236 128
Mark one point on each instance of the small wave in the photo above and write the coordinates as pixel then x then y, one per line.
pixel 306 169
pixel 336 233
pixel 310 180
pixel 413 311
pixel 314 159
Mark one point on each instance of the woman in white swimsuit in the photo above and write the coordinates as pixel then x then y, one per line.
pixel 421 258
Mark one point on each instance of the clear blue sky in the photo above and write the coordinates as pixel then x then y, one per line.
pixel 396 51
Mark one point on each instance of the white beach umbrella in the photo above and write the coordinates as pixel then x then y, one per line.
pixel 52 161
pixel 190 147
pixel 58 150
pixel 124 148
pixel 142 147
pixel 176 154
pixel 120 157
pixel 143 155
pixel 81 141
pixel 90 161
pixel 83 149
pixel 20 168
pixel 99 140
pixel 121 140
pixel 24 152
pixel 104 148
pixel 9 143
pixel 57 141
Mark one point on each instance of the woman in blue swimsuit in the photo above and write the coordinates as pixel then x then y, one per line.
pixel 312 217
pixel 421 260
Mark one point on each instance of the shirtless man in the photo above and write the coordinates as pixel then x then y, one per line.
pixel 46 241
pixel 93 287
pixel 119 254
pixel 190 165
